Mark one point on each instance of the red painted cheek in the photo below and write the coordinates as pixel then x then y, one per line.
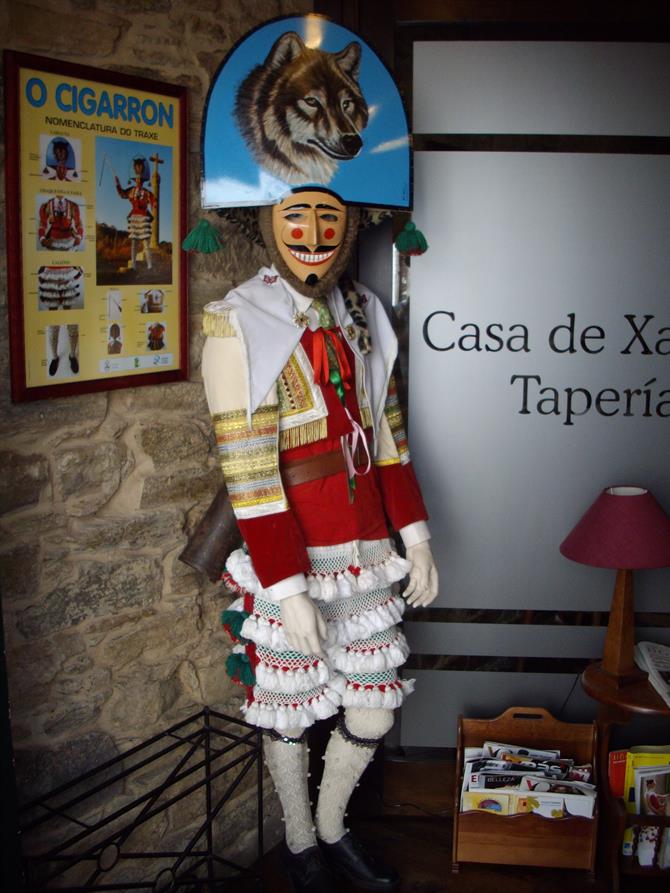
pixel 296 233
pixel 329 233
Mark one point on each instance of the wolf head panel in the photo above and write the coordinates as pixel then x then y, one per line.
pixel 302 111
pixel 304 102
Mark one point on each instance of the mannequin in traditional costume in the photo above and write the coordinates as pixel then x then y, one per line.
pixel 297 367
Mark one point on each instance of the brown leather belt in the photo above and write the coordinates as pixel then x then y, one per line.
pixel 320 466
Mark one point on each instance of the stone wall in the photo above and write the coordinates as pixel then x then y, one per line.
pixel 109 638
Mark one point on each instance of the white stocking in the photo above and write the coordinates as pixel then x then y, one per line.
pixel 345 762
pixel 147 253
pixel 288 764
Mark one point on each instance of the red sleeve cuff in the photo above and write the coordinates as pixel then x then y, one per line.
pixel 276 546
pixel 401 493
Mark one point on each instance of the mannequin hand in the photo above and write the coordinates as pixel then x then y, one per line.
pixel 304 627
pixel 422 587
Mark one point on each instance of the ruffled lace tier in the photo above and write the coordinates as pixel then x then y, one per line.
pixel 351 583
pixel 337 571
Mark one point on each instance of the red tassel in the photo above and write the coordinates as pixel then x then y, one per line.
pixel 254 659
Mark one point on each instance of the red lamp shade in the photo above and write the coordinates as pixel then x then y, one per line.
pixel 625 528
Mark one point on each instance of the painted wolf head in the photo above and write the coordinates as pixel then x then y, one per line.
pixel 301 112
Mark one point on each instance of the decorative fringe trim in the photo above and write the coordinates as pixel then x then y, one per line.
pixel 233 621
pixel 366 417
pixel 204 237
pixel 291 681
pixel 321 586
pixel 387 697
pixel 238 666
pixel 362 626
pixel 270 716
pixel 241 570
pixel 326 587
pixel 386 657
pixel 301 435
pixel 410 241
pixel 340 632
pixel 264 632
pixel 217 324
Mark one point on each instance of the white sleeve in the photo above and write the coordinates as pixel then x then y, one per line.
pixel 287 587
pixel 415 533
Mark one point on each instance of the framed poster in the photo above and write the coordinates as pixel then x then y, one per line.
pixel 96 213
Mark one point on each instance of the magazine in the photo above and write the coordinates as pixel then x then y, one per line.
pixel 616 771
pixel 655 660
pixel 494 750
pixel 509 778
pixel 652 797
pixel 639 758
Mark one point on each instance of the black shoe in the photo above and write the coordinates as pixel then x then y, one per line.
pixel 307 870
pixel 349 859
pixel 74 364
pixel 53 365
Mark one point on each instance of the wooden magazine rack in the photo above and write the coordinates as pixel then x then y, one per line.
pixel 526 839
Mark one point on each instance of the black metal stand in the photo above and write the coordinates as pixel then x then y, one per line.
pixel 91 833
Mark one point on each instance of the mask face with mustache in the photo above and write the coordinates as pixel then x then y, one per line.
pixel 309 230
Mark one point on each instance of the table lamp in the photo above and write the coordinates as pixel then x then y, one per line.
pixel 625 529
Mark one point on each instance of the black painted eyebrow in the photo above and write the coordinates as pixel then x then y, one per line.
pixel 300 207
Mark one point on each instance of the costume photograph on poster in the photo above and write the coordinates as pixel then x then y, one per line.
pixel 60 288
pixel 60 158
pixel 295 104
pixel 62 350
pixel 60 223
pixel 114 303
pixel 115 340
pixel 152 300
pixel 155 333
pixel 133 212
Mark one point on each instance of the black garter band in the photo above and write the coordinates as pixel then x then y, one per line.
pixel 277 736
pixel 354 739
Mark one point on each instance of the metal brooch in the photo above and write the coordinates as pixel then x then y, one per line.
pixel 300 319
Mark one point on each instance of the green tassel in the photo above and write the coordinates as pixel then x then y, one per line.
pixel 232 622
pixel 204 237
pixel 336 381
pixel 239 670
pixel 411 241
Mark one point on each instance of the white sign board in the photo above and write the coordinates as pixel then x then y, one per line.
pixel 539 362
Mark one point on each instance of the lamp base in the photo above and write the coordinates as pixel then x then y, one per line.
pixel 619 652
pixel 633 676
